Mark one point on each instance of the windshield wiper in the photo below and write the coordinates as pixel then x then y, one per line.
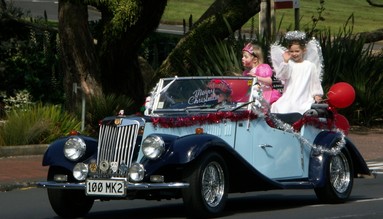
pixel 199 107
pixel 242 105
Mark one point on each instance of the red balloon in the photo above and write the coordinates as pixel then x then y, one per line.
pixel 342 123
pixel 240 90
pixel 341 95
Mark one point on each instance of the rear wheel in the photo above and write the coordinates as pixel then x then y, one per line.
pixel 207 194
pixel 68 202
pixel 339 179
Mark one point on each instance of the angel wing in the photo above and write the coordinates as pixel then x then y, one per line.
pixel 314 54
pixel 276 55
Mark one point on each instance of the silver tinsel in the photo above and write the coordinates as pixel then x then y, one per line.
pixel 295 35
pixel 317 148
pixel 314 54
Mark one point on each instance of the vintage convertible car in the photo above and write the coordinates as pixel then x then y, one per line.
pixel 200 139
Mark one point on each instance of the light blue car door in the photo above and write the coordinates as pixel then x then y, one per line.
pixel 275 153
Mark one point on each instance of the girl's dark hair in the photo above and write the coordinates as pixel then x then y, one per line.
pixel 301 43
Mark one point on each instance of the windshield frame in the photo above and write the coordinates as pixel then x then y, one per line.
pixel 207 105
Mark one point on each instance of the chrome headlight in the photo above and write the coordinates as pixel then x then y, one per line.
pixel 74 148
pixel 153 146
pixel 80 171
pixel 136 172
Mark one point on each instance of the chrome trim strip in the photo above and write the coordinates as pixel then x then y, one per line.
pixel 56 185
pixel 128 186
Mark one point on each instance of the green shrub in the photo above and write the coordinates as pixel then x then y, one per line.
pixel 36 124
pixel 348 59
pixel 29 57
pixel 21 100
pixel 221 58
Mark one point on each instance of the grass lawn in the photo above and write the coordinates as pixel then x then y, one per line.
pixel 336 13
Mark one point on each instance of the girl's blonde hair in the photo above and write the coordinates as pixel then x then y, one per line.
pixel 257 51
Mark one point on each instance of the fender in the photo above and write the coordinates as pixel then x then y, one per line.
pixel 54 155
pixel 182 150
pixel 360 165
pixel 317 174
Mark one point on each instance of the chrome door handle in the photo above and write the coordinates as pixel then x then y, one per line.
pixel 263 146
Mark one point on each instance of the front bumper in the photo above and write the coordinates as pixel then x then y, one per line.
pixel 128 186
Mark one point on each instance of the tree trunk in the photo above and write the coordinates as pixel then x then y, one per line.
pixel 79 60
pixel 218 22
pixel 121 72
pixel 374 4
pixel 373 36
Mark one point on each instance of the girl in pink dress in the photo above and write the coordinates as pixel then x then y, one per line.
pixel 253 61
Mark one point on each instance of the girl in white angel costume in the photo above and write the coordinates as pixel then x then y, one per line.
pixel 300 69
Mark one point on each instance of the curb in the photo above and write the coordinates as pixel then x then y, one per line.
pixel 22 150
pixel 6 187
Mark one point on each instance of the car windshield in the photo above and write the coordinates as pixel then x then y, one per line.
pixel 201 93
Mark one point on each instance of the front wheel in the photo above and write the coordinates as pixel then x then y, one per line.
pixel 68 203
pixel 209 183
pixel 339 178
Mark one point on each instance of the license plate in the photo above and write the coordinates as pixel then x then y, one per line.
pixel 105 187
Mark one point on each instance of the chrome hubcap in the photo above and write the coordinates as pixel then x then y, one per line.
pixel 340 173
pixel 213 184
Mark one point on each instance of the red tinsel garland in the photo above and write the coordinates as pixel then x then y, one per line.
pixel 172 122
pixel 313 121
pixel 211 118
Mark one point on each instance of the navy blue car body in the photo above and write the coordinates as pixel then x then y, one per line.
pixel 190 146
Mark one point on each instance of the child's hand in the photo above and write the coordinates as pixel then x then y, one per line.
pixel 286 56
pixel 318 99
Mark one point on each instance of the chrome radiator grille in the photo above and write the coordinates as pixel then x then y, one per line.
pixel 116 145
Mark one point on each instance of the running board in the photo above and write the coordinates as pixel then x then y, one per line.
pixel 297 185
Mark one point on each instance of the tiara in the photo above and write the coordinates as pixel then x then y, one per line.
pixel 295 35
pixel 249 48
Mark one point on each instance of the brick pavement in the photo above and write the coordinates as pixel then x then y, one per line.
pixel 24 171
pixel 21 171
pixel 369 142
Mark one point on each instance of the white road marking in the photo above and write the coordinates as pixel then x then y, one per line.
pixel 375 167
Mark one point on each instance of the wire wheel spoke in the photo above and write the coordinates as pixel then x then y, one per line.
pixel 213 184
pixel 339 173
